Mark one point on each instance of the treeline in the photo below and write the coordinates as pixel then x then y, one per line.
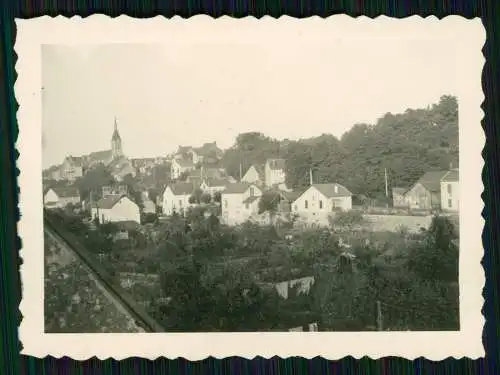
pixel 406 145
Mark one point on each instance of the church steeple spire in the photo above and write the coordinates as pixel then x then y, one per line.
pixel 116 142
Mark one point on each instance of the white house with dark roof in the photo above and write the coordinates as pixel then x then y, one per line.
pixel 116 208
pixel 59 197
pixel 176 197
pixel 179 166
pixel 450 191
pixel 320 200
pixel 255 175
pixel 239 202
pixel 274 170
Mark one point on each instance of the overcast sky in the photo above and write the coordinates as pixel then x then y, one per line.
pixel 189 93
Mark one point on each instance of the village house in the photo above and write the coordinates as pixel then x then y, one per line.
pixel 426 193
pixel 71 168
pixel 214 185
pixel 176 197
pixel 274 170
pixel 450 191
pixel 143 165
pixel 240 201
pixel 209 153
pixel 320 200
pixel 399 198
pixel 116 208
pixel 59 197
pixel 114 190
pixel 255 175
pixel 179 166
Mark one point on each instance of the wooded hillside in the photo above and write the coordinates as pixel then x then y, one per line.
pixel 406 144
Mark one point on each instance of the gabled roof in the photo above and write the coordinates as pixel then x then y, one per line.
pixel 65 192
pixel 250 199
pixel 237 188
pixel 109 201
pixel 276 164
pixel 432 180
pixel 181 188
pixel 332 190
pixel 451 176
pixel 184 163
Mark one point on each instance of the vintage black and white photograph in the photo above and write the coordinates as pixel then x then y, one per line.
pixel 237 184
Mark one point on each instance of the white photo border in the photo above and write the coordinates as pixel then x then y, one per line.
pixel 469 36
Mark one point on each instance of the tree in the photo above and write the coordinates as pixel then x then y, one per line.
pixel 269 202
pixel 183 176
pixel 205 198
pixel 93 181
pixel 436 258
pixel 347 220
pixel 195 198
pixel 217 196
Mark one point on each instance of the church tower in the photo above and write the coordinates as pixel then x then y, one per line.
pixel 116 143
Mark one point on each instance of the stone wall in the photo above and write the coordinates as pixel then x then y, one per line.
pixel 393 223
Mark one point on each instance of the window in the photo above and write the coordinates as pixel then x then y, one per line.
pixel 225 203
pixel 306 204
pixel 449 202
pixel 449 189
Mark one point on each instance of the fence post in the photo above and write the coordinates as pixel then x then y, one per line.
pixel 380 326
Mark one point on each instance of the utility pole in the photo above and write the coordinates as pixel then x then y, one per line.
pixel 386 185
pixel 240 173
pixel 380 322
pixel 310 176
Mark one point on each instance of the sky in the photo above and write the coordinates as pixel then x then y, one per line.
pixel 166 95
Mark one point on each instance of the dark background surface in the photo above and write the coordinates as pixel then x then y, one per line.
pixel 10 291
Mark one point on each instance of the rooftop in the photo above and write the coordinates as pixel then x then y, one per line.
pixel 332 190
pixel 236 188
pixel 182 188
pixel 432 180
